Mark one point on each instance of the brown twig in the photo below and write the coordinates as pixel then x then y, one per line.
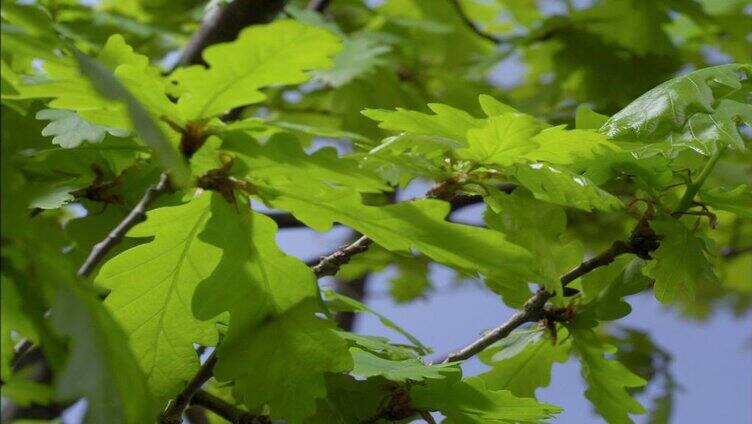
pixel 225 23
pixel 318 5
pixel 532 311
pixel 732 252
pixel 330 264
pixel 136 215
pixel 472 25
pixel 226 410
pixel 427 417
pixel 174 412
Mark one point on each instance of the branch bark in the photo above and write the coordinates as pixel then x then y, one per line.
pixel 330 264
pixel 533 309
pixel 319 5
pixel 174 412
pixel 225 409
pixel 225 23
pixel 136 215
pixel 731 252
pixel 642 241
pixel 470 24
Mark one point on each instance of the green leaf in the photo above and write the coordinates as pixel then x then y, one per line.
pixel 291 354
pixel 638 352
pixel 23 392
pixel 448 122
pixel 416 224
pixel 559 146
pixel 263 55
pixel 151 290
pixel 412 280
pixel 705 133
pixel 70 130
pixel 607 380
pixel 522 362
pixel 350 401
pixel 108 86
pixel 537 226
pixel 587 119
pixel 628 24
pixel 252 268
pixel 737 200
pixel 341 303
pixel 682 261
pixel 69 86
pixel 606 287
pixel 382 346
pixel 272 301
pixel 470 401
pixel 282 156
pixel 13 321
pixel 374 259
pixel 563 187
pixel 368 365
pixel 653 170
pixel 360 55
pixel 100 366
pixel 492 107
pixel 678 105
pixel 503 141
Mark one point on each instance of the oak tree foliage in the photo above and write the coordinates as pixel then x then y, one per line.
pixel 617 163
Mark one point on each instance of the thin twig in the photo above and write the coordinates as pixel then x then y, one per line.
pixel 470 24
pixel 225 23
pixel 174 412
pixel 318 5
pixel 427 417
pixel 285 220
pixel 732 252
pixel 136 215
pixel 642 241
pixel 533 309
pixel 225 409
pixel 330 264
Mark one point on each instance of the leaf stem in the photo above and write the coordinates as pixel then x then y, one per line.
pixel 694 187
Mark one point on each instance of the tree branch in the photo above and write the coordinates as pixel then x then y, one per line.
pixel 732 252
pixel 225 409
pixel 318 5
pixel 532 311
pixel 642 241
pixel 224 24
pixel 136 215
pixel 174 412
pixel 470 24
pixel 285 220
pixel 330 264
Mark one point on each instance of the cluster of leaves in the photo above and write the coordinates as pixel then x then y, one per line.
pixel 204 269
